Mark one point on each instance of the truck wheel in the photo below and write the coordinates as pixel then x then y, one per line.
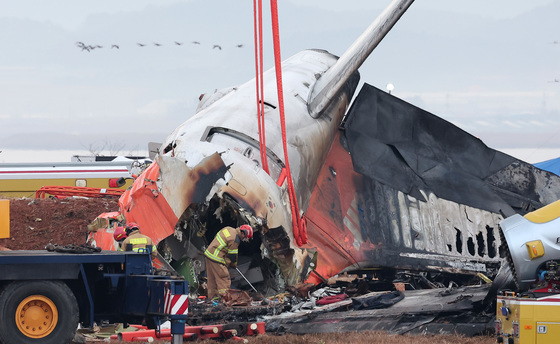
pixel 35 312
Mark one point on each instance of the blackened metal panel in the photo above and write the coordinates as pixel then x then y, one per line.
pixel 410 149
pixel 357 222
pixel 435 234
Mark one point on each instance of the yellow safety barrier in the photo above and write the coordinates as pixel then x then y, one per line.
pixel 4 218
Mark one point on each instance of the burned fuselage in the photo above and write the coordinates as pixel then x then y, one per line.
pixel 422 195
pixel 208 173
pixel 396 188
pixel 246 193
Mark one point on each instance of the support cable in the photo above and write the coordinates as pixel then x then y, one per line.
pixel 298 223
pixel 257 6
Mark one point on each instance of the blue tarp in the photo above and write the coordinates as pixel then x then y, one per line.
pixel 552 165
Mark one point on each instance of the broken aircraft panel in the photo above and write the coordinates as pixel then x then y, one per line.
pixel 436 311
pixel 411 150
pixel 423 194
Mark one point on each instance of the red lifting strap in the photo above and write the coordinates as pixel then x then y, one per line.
pixel 69 191
pixel 259 81
pixel 298 223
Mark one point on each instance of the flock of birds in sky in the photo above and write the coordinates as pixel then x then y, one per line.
pixel 89 47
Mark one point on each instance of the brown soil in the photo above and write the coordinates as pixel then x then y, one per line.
pixel 34 223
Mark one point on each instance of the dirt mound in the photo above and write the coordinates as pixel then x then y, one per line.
pixel 35 223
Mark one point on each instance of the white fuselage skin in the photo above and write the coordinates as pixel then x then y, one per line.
pixel 308 139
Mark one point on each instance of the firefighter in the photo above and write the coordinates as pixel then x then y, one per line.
pixel 119 235
pixel 221 254
pixel 136 241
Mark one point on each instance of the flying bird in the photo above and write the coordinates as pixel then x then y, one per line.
pixel 239 45
pixel 141 45
pixel 82 45
pixel 114 46
pixel 157 44
pixel 217 46
pixel 195 42
pixel 178 43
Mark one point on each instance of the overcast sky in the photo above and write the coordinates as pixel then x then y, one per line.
pixel 490 67
pixel 71 14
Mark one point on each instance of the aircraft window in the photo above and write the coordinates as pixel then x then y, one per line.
pixel 470 246
pixel 491 241
pixel 269 105
pixel 458 241
pixel 169 147
pixel 248 152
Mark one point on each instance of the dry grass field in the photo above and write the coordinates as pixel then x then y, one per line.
pixel 361 338
pixel 352 338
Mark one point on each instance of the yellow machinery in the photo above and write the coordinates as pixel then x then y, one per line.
pixel 24 179
pixel 532 316
pixel 4 218
pixel 528 320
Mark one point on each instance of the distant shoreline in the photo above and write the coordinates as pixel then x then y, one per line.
pixel 530 155
pixel 30 155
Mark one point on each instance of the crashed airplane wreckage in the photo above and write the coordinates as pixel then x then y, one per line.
pixel 382 187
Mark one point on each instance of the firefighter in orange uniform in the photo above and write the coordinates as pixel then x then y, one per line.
pixel 221 254
pixel 136 241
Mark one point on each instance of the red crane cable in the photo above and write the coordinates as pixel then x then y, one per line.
pixel 259 81
pixel 298 223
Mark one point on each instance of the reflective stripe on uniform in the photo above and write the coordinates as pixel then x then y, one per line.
pixel 138 241
pixel 214 257
pixel 236 251
pixel 216 253
pixel 147 249
pixel 221 241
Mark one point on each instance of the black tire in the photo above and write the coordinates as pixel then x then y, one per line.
pixel 48 302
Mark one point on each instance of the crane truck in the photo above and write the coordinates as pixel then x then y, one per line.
pixel 530 313
pixel 45 294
